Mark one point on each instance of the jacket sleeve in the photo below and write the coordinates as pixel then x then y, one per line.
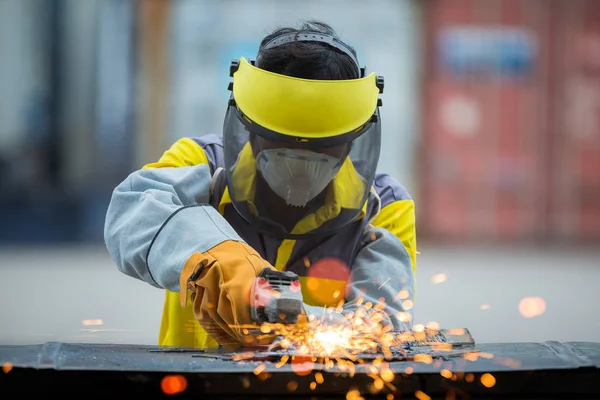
pixel 157 218
pixel 382 273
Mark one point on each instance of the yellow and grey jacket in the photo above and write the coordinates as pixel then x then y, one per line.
pixel 163 213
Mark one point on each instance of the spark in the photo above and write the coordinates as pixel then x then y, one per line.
pixel 403 316
pixel 245 382
pixel 378 384
pixel 442 347
pixel 319 378
pixel 438 278
pixel 7 367
pixel 421 395
pixel 469 378
pixel 530 307
pixel 363 332
pixel 433 325
pixel 488 380
pixel 263 376
pixel 243 356
pixel 388 279
pixel 173 384
pixel 313 385
pixel 353 394
pixel 260 368
pixel 284 359
pixel 446 373
pixel 424 358
pixel 456 332
pixel 387 375
pixel 91 322
pixel 292 385
pixel 402 295
pixel 331 341
pixel 302 365
pixel 508 362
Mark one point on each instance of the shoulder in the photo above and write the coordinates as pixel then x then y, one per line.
pixel 389 189
pixel 380 245
pixel 211 139
pixel 191 151
pixel 212 145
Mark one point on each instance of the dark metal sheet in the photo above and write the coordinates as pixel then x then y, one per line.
pixel 488 357
pixel 550 368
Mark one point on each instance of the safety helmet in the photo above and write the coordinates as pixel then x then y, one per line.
pixel 315 143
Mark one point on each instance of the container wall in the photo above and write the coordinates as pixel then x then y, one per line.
pixel 510 134
pixel 483 145
pixel 574 167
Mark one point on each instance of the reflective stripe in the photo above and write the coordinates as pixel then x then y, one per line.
pixel 184 152
pixel 284 252
pixel 179 326
pixel 399 218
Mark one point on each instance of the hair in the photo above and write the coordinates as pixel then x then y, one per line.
pixel 307 60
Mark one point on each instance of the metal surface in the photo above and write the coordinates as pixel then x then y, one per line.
pixel 441 344
pixel 551 369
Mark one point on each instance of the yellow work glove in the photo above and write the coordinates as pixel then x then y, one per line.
pixel 221 279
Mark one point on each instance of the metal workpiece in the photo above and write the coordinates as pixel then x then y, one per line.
pixel 493 370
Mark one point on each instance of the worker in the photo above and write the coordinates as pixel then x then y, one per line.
pixel 290 184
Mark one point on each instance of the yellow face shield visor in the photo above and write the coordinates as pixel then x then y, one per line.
pixel 275 105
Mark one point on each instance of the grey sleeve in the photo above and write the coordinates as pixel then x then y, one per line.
pixel 382 269
pixel 157 218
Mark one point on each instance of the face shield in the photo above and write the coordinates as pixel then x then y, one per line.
pixel 300 155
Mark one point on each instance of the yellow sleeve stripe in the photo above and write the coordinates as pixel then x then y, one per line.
pixel 284 252
pixel 399 218
pixel 179 326
pixel 183 153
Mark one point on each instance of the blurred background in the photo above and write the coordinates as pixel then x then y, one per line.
pixel 491 120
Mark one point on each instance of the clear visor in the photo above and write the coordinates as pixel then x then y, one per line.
pixel 291 189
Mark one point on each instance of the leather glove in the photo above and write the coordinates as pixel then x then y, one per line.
pixel 220 280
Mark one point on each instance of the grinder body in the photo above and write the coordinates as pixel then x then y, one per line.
pixel 275 297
